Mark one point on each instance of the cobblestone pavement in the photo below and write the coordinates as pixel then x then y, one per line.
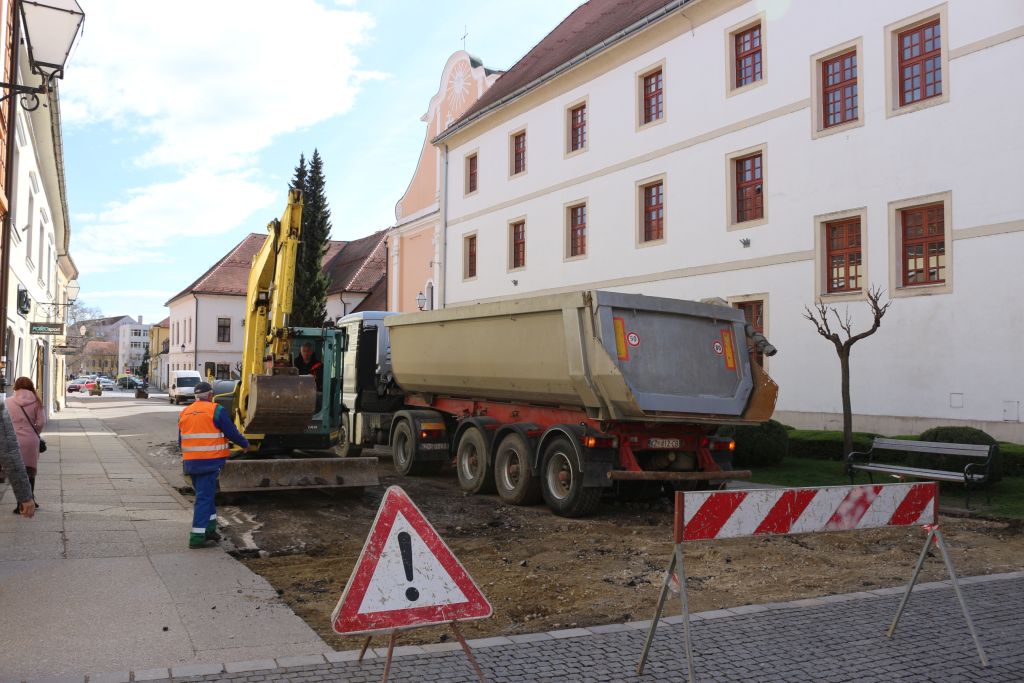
pixel 829 640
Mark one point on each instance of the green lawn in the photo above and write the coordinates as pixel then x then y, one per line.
pixel 1007 495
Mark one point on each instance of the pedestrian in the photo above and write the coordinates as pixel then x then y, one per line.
pixel 29 418
pixel 10 460
pixel 204 429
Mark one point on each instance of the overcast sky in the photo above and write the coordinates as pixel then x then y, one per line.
pixel 183 121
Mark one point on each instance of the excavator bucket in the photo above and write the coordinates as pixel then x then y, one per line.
pixel 280 404
pixel 301 473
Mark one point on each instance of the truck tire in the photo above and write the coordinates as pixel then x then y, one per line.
pixel 344 448
pixel 472 462
pixel 513 478
pixel 562 486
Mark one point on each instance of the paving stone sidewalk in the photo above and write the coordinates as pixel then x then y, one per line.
pixel 101 578
pixel 836 639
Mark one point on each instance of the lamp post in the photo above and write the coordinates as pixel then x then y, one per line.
pixel 50 28
pixel 421 300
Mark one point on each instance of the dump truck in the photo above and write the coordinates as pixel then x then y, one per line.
pixel 559 397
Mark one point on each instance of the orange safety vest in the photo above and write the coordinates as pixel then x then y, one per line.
pixel 200 438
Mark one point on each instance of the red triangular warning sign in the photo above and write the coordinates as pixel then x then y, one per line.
pixel 405 576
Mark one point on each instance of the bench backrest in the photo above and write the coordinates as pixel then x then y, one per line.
pixel 966 450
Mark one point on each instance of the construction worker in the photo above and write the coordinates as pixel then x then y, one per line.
pixel 204 429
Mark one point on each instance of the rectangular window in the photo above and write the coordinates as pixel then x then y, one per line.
pixel 578 128
pixel 749 197
pixel 920 63
pixel 843 255
pixel 578 230
pixel 223 329
pixel 753 313
pixel 469 247
pixel 654 211
pixel 839 89
pixel 223 371
pixel 654 97
pixel 471 173
pixel 923 233
pixel 748 56
pixel 519 153
pixel 518 242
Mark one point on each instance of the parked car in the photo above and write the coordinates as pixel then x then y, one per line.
pixel 183 385
pixel 129 382
pixel 77 385
pixel 106 383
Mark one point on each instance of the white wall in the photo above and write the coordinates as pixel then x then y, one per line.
pixel 127 355
pixel 965 341
pixel 194 324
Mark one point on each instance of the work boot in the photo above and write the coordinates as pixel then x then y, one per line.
pixel 196 541
pixel 211 532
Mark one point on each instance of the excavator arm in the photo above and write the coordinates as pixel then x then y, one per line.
pixel 273 398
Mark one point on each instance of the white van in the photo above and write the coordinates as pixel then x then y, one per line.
pixel 183 385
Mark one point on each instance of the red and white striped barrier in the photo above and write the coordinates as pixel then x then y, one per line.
pixel 711 515
pixel 734 514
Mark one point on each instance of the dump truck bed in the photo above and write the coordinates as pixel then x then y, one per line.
pixel 618 356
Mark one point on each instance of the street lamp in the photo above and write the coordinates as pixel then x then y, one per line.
pixel 51 27
pixel 421 300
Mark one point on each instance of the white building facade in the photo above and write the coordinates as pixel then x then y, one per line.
pixel 132 347
pixel 206 335
pixel 774 159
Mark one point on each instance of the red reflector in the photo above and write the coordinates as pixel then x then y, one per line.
pixel 704 442
pixel 596 442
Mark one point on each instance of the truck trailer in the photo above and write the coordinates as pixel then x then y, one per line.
pixel 555 397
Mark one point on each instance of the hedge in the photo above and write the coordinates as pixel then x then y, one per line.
pixel 758 445
pixel 825 445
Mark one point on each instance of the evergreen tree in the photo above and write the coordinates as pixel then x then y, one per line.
pixel 309 306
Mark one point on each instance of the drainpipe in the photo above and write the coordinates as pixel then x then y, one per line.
pixel 195 337
pixel 5 232
pixel 443 255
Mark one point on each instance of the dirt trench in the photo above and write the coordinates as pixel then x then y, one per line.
pixel 542 572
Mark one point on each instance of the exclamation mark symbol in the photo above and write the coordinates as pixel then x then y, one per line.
pixel 405 545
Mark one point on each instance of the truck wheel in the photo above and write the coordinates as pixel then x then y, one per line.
pixel 403 449
pixel 562 486
pixel 512 473
pixel 344 448
pixel 476 471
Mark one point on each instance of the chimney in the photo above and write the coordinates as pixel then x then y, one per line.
pixel 140 319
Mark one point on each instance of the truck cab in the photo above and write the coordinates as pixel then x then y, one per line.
pixel 366 402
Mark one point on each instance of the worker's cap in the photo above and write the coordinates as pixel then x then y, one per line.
pixel 203 388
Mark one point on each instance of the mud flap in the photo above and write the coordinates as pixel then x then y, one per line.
pixel 280 474
pixel 596 466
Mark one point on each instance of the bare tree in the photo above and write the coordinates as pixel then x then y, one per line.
pixel 819 317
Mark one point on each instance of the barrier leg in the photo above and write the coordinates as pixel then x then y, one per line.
pixel 362 650
pixel 657 615
pixel 469 653
pixel 686 613
pixel 391 649
pixel 963 605
pixel 913 580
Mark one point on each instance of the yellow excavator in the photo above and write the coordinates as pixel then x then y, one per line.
pixel 295 424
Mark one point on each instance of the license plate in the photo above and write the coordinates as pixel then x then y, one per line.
pixel 663 443
pixel 433 446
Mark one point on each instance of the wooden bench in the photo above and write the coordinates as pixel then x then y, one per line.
pixel 976 472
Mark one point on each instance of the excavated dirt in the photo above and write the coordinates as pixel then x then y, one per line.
pixel 543 572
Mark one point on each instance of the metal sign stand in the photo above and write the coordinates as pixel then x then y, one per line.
pixel 676 561
pixel 935 536
pixel 393 636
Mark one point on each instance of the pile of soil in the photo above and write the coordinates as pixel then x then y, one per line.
pixel 542 572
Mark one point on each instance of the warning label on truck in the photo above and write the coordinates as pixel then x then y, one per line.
pixel 730 354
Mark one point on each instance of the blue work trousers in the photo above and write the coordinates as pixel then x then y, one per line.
pixel 205 510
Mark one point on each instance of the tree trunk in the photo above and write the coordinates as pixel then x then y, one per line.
pixel 844 365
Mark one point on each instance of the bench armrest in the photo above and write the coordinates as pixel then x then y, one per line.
pixel 985 468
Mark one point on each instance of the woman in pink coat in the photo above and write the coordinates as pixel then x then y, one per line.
pixel 29 418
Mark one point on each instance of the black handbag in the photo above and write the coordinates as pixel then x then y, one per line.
pixel 42 441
